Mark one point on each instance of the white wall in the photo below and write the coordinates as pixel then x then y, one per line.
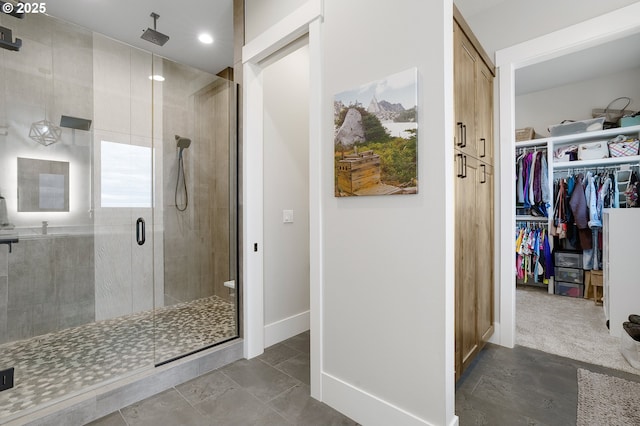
pixel 387 262
pixel 514 21
pixel 575 101
pixel 388 270
pixel 286 186
pixel 260 15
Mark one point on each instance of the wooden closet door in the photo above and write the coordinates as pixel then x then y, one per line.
pixel 464 75
pixel 466 253
pixel 484 267
pixel 484 113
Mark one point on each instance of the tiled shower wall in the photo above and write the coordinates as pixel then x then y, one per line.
pixel 46 284
pixel 126 281
pixel 196 242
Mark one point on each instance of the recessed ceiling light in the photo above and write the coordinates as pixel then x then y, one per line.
pixel 205 38
pixel 156 77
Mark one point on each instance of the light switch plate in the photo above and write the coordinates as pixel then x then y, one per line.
pixel 287 216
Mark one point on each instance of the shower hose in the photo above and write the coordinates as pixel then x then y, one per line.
pixel 184 183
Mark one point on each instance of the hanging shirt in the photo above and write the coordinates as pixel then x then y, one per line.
pixel 532 174
pixel 520 180
pixel 591 197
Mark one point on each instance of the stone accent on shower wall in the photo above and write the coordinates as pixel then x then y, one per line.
pixel 49 286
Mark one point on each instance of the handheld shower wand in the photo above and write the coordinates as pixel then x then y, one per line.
pixel 182 144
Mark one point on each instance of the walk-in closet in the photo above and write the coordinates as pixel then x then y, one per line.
pixel 576 168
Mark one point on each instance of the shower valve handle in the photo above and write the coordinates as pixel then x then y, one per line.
pixel 140 231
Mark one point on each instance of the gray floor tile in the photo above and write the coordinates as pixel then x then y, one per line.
pixel 260 379
pixel 521 386
pixel 297 406
pixel 525 399
pixel 113 419
pixel 209 386
pixel 165 408
pixel 277 353
pixel 239 407
pixel 472 411
pixel 300 342
pixel 297 367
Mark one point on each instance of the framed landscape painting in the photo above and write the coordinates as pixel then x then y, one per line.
pixel 375 137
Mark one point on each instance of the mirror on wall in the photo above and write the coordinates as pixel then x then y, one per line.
pixel 43 185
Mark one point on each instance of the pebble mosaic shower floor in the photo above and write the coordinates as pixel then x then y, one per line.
pixel 61 364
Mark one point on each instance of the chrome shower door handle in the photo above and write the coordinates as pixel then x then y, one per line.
pixel 140 231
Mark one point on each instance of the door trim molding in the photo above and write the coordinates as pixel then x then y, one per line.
pixel 305 20
pixel 611 26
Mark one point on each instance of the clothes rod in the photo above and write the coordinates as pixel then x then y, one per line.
pixel 595 169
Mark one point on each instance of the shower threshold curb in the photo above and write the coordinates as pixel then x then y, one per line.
pixel 104 399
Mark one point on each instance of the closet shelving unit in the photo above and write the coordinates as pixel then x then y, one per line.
pixel 554 142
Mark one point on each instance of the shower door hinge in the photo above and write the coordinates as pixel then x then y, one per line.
pixel 6 379
pixel 230 284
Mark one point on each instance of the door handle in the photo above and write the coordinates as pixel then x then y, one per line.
pixel 459 163
pixel 464 166
pixel 140 231
pixel 484 147
pixel 459 124
pixel 484 173
pixel 464 136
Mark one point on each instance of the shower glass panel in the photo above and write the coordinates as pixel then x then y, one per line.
pixel 105 268
pixel 197 213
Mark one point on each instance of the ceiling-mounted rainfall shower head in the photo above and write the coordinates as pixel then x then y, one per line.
pixel 153 35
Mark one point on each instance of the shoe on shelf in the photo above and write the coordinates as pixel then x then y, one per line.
pixel 632 330
pixel 634 319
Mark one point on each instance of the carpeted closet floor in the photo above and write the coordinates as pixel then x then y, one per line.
pixel 567 326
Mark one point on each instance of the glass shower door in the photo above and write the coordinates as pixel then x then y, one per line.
pixel 195 211
pixel 124 197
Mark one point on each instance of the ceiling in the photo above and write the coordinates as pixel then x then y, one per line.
pixel 470 8
pixel 181 20
pixel 605 59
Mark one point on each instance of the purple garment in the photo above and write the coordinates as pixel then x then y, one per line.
pixel 526 165
pixel 549 270
pixel 537 179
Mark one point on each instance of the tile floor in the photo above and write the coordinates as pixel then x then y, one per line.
pixel 522 386
pixel 519 386
pixel 272 389
pixel 58 365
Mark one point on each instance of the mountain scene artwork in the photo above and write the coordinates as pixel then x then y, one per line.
pixel 375 137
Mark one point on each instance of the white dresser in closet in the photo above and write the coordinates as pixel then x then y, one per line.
pixel 621 264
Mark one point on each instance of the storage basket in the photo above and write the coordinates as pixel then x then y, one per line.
pixel 624 148
pixel 569 289
pixel 525 134
pixel 573 127
pixel 568 259
pixel 593 150
pixel 569 275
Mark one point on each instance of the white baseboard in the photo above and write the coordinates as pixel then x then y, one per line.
pixel 282 330
pixel 365 408
pixel 495 337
